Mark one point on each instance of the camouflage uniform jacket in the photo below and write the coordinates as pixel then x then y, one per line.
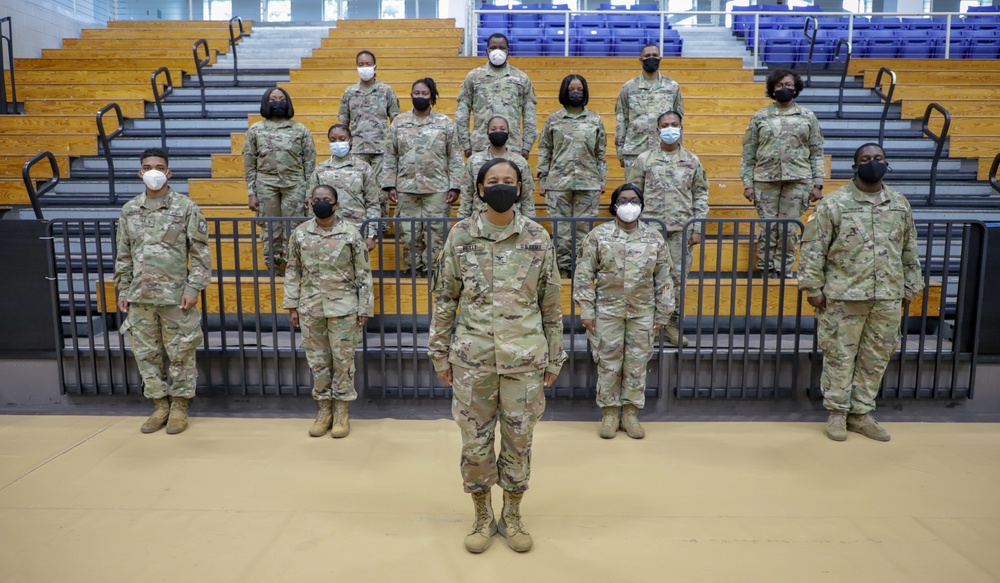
pixel 505 293
pixel 861 246
pixel 367 111
pixel 639 103
pixel 572 151
pixel 357 190
pixel 489 91
pixel 278 153
pixel 328 273
pixel 624 274
pixel 470 203
pixel 782 145
pixel 422 155
pixel 157 238
pixel 674 187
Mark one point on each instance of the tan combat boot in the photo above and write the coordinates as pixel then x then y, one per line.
pixel 324 419
pixel 836 426
pixel 867 426
pixel 510 525
pixel 672 333
pixel 178 415
pixel 630 422
pixel 484 526
pixel 609 424
pixel 341 425
pixel 159 417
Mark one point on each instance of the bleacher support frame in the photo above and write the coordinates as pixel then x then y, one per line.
pixel 7 48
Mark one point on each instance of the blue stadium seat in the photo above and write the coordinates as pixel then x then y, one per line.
pixel 863 24
pixel 672 47
pixel 517 20
pixel 628 47
pixel 923 23
pixel 645 7
pixel 621 20
pixel 588 21
pixel 554 18
pixel 959 45
pixel 527 41
pixel 649 21
pixel 493 21
pixel 986 25
pixel 916 48
pixel 554 44
pixel 780 51
pixel 881 48
pixel 593 42
pixel 887 23
pixel 983 47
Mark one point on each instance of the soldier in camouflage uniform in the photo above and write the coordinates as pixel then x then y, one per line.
pixel 676 191
pixel 357 186
pixel 422 173
pixel 571 164
pixel 496 88
pixel 278 157
pixel 161 265
pixel 469 201
pixel 782 169
pixel 497 275
pixel 640 101
pixel 367 108
pixel 328 292
pixel 860 269
pixel 624 288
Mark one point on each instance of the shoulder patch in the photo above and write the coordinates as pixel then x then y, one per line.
pixel 812 217
pixel 203 227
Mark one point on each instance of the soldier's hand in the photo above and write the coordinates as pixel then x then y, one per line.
pixel 188 301
pixel 749 194
pixel 524 154
pixel 550 379
pixel 603 189
pixel 293 315
pixel 253 203
pixel 658 326
pixel 815 195
pixel 906 305
pixel 695 239
pixel 391 193
pixel 589 323
pixel 445 376
pixel 362 320
pixel 452 195
pixel 818 302
pixel 621 162
pixel 370 243
pixel 467 152
pixel 123 305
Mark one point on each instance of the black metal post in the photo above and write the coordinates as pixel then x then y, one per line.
pixel 939 140
pixel 158 98
pixel 35 195
pixel 198 64
pixel 886 97
pixel 105 142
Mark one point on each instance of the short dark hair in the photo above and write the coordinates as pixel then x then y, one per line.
pixel 481 177
pixel 332 190
pixel 265 109
pixel 623 188
pixel 498 35
pixel 505 120
pixel 339 126
pixel 366 52
pixel 647 45
pixel 777 75
pixel 564 89
pixel 159 153
pixel 857 152
pixel 431 85
pixel 679 115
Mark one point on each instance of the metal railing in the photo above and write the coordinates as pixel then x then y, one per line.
pixel 993 173
pixel 939 141
pixel 7 49
pixel 233 41
pixel 104 139
pixel 886 98
pixel 158 98
pixel 35 196
pixel 811 38
pixel 843 75
pixel 198 65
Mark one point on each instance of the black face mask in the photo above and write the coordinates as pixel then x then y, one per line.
pixel 500 197
pixel 278 108
pixel 574 98
pixel 784 95
pixel 872 171
pixel 421 103
pixel 651 64
pixel 323 209
pixel 498 139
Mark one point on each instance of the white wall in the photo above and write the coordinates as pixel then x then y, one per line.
pixel 456 9
pixel 41 25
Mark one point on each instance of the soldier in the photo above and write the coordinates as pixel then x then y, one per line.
pixel 161 266
pixel 496 88
pixel 278 158
pixel 571 164
pixel 860 268
pixel 469 201
pixel 366 108
pixel 676 188
pixel 782 169
pixel 624 288
pixel 328 292
pixel 498 271
pixel 422 172
pixel 642 99
pixel 355 181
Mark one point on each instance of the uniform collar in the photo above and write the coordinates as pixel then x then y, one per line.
pixel 422 120
pixel 336 162
pixel 565 113
pixel 498 71
pixel 314 227
pixel 157 203
pixel 876 198
pixel 795 109
pixel 515 227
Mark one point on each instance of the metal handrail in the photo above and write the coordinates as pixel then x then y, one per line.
pixel 35 195
pixel 939 140
pixel 198 64
pixel 105 142
pixel 843 76
pixel 8 41
pixel 812 45
pixel 158 98
pixel 993 173
pixel 233 41
pixel 885 97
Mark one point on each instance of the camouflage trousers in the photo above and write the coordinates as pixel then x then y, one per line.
pixel 779 200
pixel 622 348
pixel 857 339
pixel 278 202
pixel 158 331
pixel 375 161
pixel 329 344
pixel 483 397
pixel 414 235
pixel 678 246
pixel 568 204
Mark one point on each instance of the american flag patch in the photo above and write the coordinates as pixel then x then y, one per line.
pixel 811 218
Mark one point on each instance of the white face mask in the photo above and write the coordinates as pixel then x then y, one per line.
pixel 340 149
pixel 498 57
pixel 628 212
pixel 154 179
pixel 366 73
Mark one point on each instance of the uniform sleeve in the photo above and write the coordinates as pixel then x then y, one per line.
pixel 601 151
pixel 550 304
pixel 344 113
pixel 666 295
pixel 123 259
pixel 545 149
pixel 199 256
pixel 250 161
pixel 463 109
pixel 371 194
pixel 527 203
pixel 816 240
pixel 816 152
pixel 293 272
pixel 528 117
pixel 454 160
pixel 636 173
pixel 621 121
pixel 913 279
pixel 313 183
pixel 390 161
pixel 699 195
pixel 308 152
pixel 393 107
pixel 678 104
pixel 446 295
pixel 467 191
pixel 584 286
pixel 363 277
pixel 749 160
